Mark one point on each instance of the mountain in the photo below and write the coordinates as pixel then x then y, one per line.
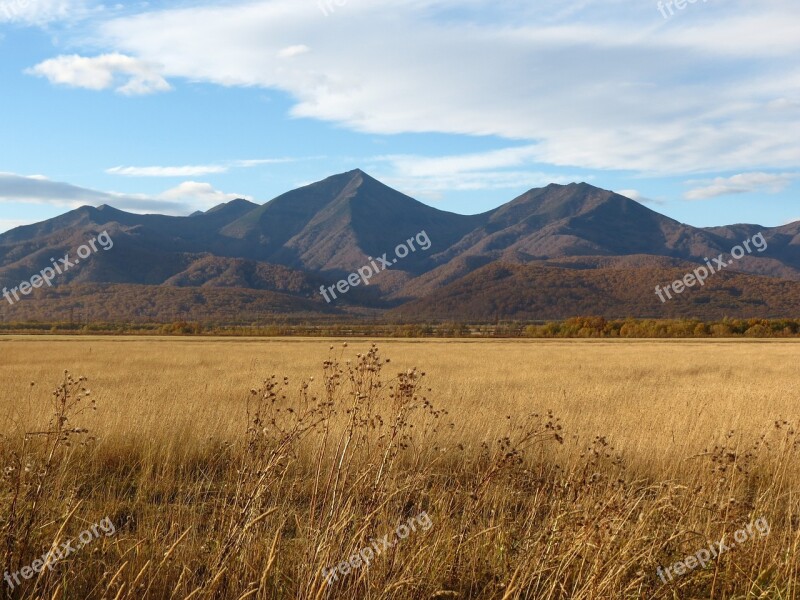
pixel 332 225
pixel 552 252
pixel 547 291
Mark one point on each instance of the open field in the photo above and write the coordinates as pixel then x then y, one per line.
pixel 652 450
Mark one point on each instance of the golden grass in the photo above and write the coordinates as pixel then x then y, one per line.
pixel 549 469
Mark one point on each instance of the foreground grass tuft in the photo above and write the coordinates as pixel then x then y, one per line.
pixel 324 466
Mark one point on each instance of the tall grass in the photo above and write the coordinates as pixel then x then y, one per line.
pixel 310 470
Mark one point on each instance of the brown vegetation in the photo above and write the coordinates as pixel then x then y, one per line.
pixel 539 292
pixel 548 469
pixel 577 327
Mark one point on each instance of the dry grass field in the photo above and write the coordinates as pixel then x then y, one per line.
pixel 253 468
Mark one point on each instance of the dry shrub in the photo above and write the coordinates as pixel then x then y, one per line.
pixel 324 468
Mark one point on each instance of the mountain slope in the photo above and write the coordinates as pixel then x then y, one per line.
pixel 548 292
pixel 595 239
pixel 333 225
pixel 110 303
pixel 215 272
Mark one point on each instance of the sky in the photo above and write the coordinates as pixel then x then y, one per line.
pixel 692 108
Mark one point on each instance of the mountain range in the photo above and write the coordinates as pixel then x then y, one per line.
pixel 553 252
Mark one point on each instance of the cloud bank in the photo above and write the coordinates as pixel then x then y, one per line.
pixel 744 183
pixel 600 85
pixel 181 200
pixel 124 74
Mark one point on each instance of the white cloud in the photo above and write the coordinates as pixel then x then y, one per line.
pixel 639 197
pixel 36 189
pixel 180 200
pixel 596 84
pixel 744 183
pixel 186 171
pixel 195 193
pixel 291 51
pixel 195 170
pixel 40 12
pixel 127 75
pixel 257 162
pixel 783 104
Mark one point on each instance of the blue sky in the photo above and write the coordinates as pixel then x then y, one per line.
pixel 690 108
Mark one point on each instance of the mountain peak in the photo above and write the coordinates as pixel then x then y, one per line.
pixel 328 229
pixel 237 204
pixel 354 176
pixel 358 171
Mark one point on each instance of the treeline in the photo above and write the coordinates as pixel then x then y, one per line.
pixel 577 327
pixel 598 327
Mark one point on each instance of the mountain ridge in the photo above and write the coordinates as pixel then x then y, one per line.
pixel 320 233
